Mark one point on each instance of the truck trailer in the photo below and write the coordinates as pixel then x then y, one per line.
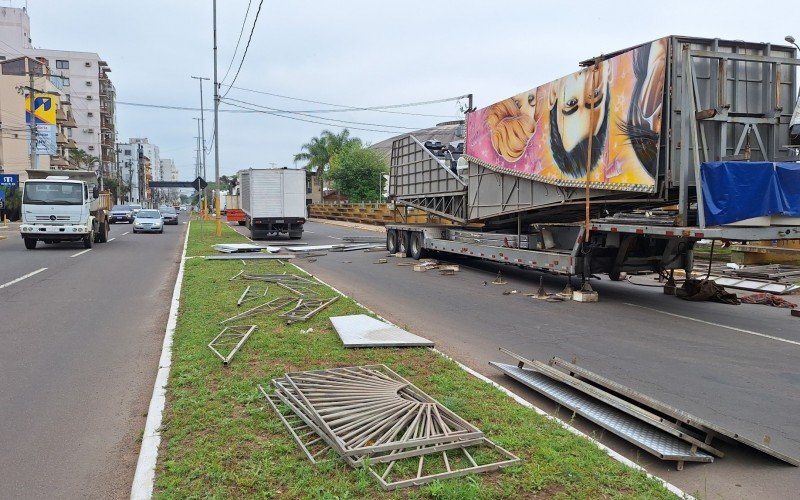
pixel 273 201
pixel 64 206
pixel 620 167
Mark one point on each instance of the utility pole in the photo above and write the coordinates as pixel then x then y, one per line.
pixel 34 138
pixel 216 127
pixel 202 135
pixel 199 169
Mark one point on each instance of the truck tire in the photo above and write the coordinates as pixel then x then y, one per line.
pixel 103 233
pixel 415 241
pixel 30 243
pixel 88 240
pixel 391 241
pixel 402 242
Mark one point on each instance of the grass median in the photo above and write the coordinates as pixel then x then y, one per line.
pixel 220 438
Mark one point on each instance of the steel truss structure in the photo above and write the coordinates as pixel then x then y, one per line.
pixel 231 338
pixel 252 293
pixel 273 305
pixel 301 289
pixel 369 415
pixel 306 308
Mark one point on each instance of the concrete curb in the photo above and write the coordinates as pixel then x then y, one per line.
pixel 519 399
pixel 144 478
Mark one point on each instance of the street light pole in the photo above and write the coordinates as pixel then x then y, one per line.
pixel 216 128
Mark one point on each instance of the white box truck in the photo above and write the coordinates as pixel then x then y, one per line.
pixel 274 201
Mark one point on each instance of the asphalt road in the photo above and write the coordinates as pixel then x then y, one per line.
pixel 715 361
pixel 80 346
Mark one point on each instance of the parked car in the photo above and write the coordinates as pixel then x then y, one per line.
pixel 121 213
pixel 169 215
pixel 148 221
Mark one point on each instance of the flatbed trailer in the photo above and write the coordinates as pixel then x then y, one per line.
pixel 713 117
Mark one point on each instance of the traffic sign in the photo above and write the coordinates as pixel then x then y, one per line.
pixel 9 180
pixel 199 184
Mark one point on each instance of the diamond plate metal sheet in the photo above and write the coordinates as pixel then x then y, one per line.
pixel 647 437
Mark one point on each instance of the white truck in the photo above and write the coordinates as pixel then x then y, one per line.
pixel 63 206
pixel 273 201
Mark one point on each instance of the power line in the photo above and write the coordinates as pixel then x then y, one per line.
pixel 241 32
pixel 380 109
pixel 246 47
pixel 312 116
pixel 308 121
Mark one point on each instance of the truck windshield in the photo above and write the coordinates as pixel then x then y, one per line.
pixel 53 193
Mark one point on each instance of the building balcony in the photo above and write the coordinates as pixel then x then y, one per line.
pixel 71 144
pixel 61 139
pixel 57 161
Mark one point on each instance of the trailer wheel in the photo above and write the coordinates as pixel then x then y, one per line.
pixel 415 245
pixel 402 242
pixel 391 241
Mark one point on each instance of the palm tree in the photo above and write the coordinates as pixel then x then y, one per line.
pixel 317 153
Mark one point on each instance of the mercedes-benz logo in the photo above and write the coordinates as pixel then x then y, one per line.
pixel 52 217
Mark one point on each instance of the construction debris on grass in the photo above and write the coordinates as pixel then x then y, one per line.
pixel 372 417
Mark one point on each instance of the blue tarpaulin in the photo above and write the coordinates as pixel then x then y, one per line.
pixel 738 190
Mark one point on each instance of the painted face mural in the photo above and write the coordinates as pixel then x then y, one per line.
pixel 544 133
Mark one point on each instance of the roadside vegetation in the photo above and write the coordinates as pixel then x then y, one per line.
pixel 220 439
pixel 351 167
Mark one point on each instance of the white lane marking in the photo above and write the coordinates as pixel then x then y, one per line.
pixel 23 277
pixel 144 477
pixel 80 253
pixel 741 330
pixel 310 232
pixel 126 232
pixel 334 237
pixel 111 239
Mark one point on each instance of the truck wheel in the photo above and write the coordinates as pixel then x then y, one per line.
pixel 391 241
pixel 617 276
pixel 30 243
pixel 402 242
pixel 241 222
pixel 415 245
pixel 88 240
pixel 103 233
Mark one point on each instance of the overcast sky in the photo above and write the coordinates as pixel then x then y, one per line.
pixel 357 53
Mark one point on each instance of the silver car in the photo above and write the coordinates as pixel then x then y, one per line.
pixel 148 221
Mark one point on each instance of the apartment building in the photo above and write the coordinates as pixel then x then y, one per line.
pixel 86 85
pixel 15 131
pixel 139 162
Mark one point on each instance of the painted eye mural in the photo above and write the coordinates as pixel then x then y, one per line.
pixel 546 132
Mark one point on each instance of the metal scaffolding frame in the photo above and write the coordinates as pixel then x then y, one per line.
pixel 371 416
pixel 306 308
pixel 273 305
pixel 232 338
pixel 252 293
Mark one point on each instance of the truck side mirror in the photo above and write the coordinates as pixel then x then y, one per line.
pixel 95 192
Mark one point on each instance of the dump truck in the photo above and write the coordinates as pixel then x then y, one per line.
pixel 273 201
pixel 64 206
pixel 622 166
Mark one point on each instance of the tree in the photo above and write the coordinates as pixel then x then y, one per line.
pixel 357 172
pixel 317 153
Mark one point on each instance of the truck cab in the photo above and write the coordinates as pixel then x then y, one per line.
pixel 65 207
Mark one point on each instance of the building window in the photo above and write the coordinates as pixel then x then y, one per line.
pixel 88 83
pixel 87 64
pixel 90 114
pixel 62 64
pixel 91 148
pixel 65 81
